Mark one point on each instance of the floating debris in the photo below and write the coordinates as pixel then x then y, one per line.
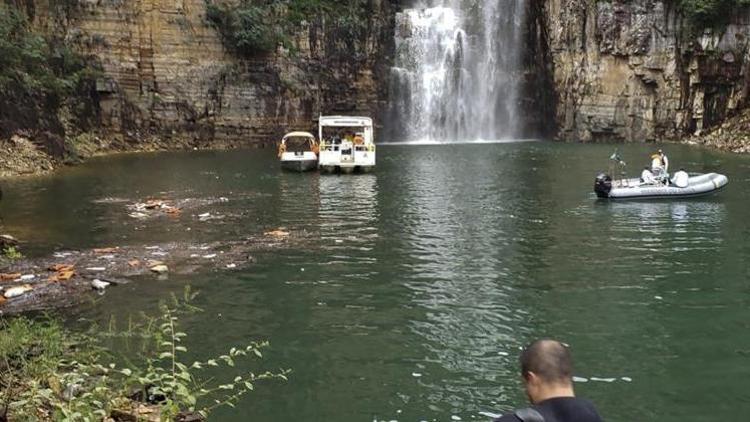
pixel 17 291
pixel 10 276
pixel 278 233
pixel 159 269
pixel 153 207
pixel 99 284
pixel 106 250
pixel 63 272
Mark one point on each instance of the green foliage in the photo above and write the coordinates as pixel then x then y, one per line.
pixel 12 253
pixel 49 372
pixel 246 29
pixel 256 27
pixel 31 64
pixel 710 12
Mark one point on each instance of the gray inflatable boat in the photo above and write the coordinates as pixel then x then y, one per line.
pixel 698 185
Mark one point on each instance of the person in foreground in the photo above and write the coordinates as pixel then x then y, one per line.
pixel 547 371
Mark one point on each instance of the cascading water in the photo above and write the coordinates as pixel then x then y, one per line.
pixel 456 70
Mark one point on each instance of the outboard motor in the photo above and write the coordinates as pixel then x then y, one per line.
pixel 602 185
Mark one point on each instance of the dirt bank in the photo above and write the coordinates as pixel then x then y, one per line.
pixel 21 155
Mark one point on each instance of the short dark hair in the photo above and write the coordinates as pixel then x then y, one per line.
pixel 550 360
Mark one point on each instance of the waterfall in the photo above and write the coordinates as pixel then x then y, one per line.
pixel 456 70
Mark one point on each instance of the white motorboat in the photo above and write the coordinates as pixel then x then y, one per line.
pixel 697 185
pixel 298 151
pixel 346 144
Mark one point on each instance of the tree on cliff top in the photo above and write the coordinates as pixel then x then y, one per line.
pixel 710 12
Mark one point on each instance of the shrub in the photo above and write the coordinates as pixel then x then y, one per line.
pixel 48 372
pixel 33 64
pixel 257 27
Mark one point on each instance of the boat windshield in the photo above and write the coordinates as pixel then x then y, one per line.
pixel 298 142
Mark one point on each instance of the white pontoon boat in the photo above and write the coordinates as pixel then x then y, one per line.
pixel 346 144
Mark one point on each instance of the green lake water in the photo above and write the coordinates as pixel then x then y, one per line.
pixel 405 294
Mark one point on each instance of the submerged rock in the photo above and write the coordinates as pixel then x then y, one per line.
pixel 7 241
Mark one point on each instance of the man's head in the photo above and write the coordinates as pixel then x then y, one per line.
pixel 547 370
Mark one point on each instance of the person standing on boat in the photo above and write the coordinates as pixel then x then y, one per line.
pixel 664 162
pixel 547 371
pixel 660 167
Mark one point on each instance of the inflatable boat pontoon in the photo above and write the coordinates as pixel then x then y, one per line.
pixel 702 184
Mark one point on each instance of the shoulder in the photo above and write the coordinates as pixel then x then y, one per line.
pixel 510 417
pixel 569 409
pixel 528 414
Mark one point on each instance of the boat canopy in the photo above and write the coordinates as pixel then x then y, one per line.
pixel 298 135
pixel 345 121
pixel 363 123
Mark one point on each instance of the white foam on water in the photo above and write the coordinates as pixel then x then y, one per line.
pixel 433 142
pixel 597 379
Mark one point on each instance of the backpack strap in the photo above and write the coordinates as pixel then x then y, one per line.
pixel 529 415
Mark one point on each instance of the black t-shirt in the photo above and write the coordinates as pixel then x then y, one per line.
pixel 562 409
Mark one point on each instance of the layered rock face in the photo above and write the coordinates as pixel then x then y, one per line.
pixel 169 82
pixel 635 70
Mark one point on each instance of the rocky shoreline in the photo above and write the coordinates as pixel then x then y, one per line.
pixel 20 156
pixel 733 135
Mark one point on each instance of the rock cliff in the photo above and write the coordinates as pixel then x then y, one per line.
pixel 169 82
pixel 620 70
pixel 637 70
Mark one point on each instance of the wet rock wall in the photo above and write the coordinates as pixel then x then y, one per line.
pixel 169 82
pixel 637 70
